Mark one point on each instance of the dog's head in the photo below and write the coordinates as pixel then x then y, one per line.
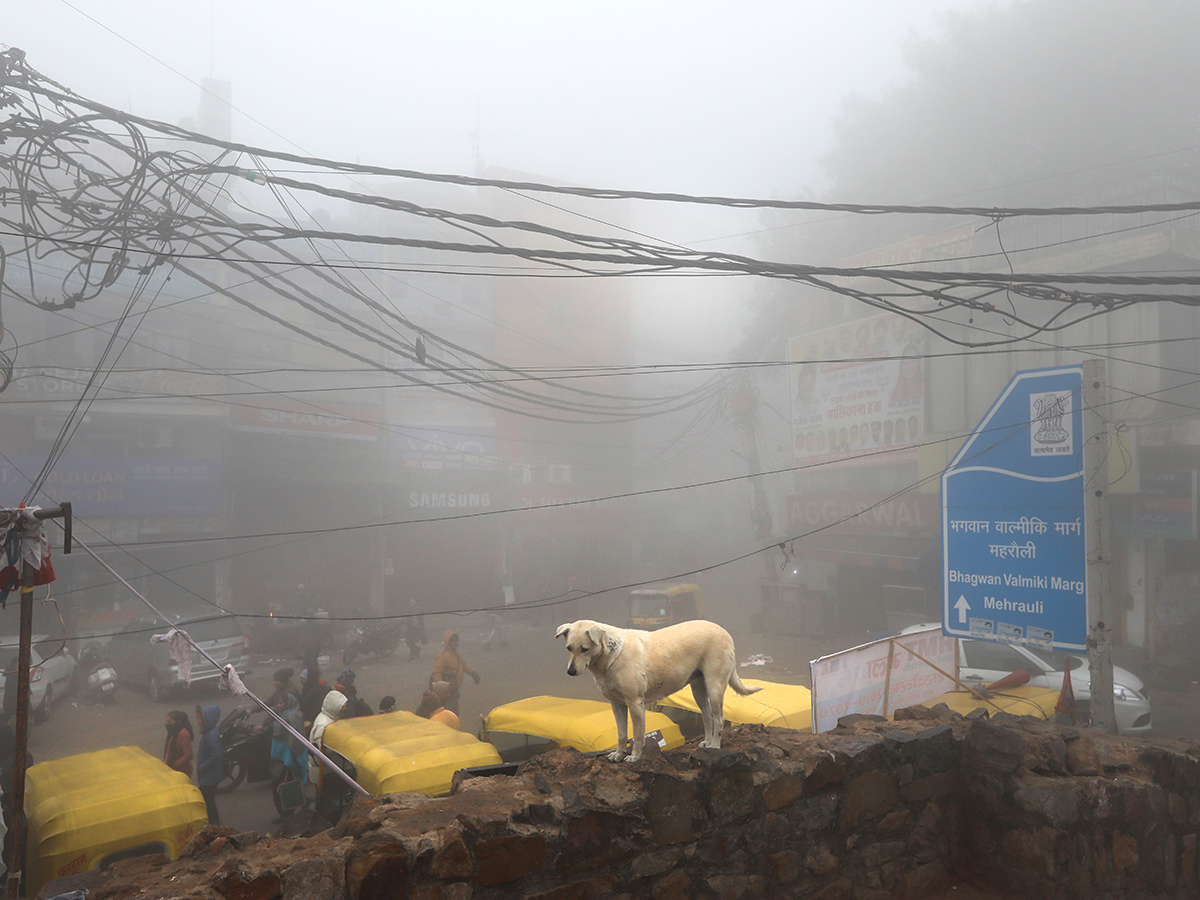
pixel 586 642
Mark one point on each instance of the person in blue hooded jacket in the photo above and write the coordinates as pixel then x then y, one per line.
pixel 210 766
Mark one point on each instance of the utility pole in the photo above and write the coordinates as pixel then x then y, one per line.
pixel 23 525
pixel 744 403
pixel 1099 544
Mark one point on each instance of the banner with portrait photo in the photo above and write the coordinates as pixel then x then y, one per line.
pixel 857 389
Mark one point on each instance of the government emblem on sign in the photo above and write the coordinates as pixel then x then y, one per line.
pixel 1051 424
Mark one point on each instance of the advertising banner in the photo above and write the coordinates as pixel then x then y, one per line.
pixel 881 677
pixel 857 389
pixel 107 487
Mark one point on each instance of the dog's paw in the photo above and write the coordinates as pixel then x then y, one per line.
pixel 711 745
pixel 632 758
pixel 616 755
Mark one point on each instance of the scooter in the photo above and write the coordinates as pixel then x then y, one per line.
pixel 380 638
pixel 99 677
pixel 246 749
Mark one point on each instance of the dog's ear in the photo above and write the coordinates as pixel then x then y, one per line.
pixel 562 630
pixel 596 633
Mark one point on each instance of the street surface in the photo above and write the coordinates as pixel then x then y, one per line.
pixel 531 663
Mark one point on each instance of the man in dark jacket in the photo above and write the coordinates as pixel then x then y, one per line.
pixel 210 764
pixel 312 693
pixel 355 705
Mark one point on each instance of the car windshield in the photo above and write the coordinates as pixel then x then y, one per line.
pixel 1054 658
pixel 208 625
pixel 648 606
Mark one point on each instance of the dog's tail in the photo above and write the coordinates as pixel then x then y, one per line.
pixel 735 682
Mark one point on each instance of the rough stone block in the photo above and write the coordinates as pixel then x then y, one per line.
pixel 815 814
pixel 319 878
pixel 376 868
pixel 1054 800
pixel 931 787
pixel 676 885
pixel 1082 757
pixel 925 880
pixel 451 890
pixel 451 858
pixel 820 859
pixel 675 810
pixel 1124 853
pixel 781 791
pixel 590 889
pixel 737 887
pixel 784 867
pixel 595 840
pixel 869 795
pixel 992 748
pixel 506 858
pixel 824 769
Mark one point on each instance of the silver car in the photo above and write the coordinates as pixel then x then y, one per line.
pixel 147 664
pixel 983 662
pixel 51 671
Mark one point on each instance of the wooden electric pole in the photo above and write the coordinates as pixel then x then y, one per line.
pixel 24 523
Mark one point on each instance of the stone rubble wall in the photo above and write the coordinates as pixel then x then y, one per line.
pixel 872 810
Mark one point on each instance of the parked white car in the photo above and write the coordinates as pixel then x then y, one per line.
pixel 983 662
pixel 51 671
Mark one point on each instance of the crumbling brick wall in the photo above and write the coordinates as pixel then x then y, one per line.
pixel 871 810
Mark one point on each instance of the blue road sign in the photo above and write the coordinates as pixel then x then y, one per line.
pixel 1014 555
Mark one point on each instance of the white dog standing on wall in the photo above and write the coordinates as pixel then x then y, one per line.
pixel 633 668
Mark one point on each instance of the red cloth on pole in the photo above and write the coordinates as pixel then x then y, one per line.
pixel 1066 696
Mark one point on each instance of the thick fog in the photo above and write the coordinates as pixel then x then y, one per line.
pixel 356 389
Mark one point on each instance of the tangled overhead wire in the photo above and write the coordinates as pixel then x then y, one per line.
pixel 87 189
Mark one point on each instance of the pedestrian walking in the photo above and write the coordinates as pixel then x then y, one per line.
pixel 177 751
pixel 414 630
pixel 210 765
pixel 450 667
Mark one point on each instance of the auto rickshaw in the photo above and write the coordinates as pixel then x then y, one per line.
pixel 527 727
pixel 776 706
pixel 656 607
pixel 397 752
pixel 91 810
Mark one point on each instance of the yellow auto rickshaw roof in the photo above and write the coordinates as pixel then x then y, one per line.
pixel 586 725
pixel 1025 700
pixel 400 752
pixel 668 589
pixel 776 705
pixel 92 804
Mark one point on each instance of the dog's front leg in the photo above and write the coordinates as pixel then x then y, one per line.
pixel 621 714
pixel 637 712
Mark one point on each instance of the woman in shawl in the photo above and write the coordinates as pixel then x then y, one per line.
pixel 289 757
pixel 177 751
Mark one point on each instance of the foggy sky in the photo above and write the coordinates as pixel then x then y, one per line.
pixel 699 97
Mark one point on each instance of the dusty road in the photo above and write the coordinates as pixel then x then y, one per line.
pixel 532 662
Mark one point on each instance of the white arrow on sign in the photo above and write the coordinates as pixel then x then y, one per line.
pixel 963 608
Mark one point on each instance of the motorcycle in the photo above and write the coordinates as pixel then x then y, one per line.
pixel 380 638
pixel 246 749
pixel 97 675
